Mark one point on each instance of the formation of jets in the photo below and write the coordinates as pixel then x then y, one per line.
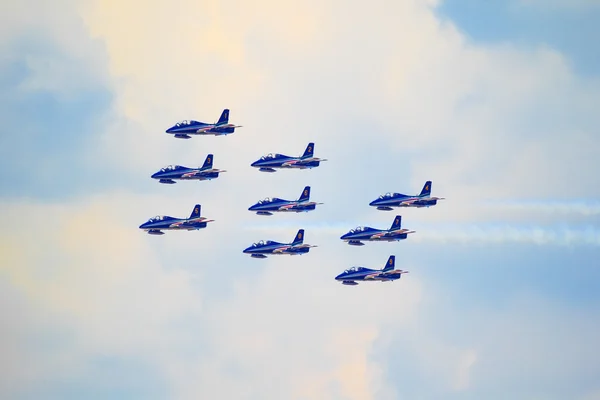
pixel 270 163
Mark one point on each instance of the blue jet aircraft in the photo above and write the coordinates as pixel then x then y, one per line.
pixel 268 247
pixel 356 235
pixel 386 201
pixel 270 205
pixel 183 129
pixel 388 273
pixel 155 225
pixel 271 161
pixel 206 172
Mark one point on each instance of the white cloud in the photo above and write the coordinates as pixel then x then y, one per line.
pixel 55 49
pixel 392 96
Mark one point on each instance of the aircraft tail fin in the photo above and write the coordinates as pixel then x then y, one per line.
pixel 195 212
pixel 299 239
pixel 397 224
pixel 426 189
pixel 208 163
pixel 310 149
pixel 224 119
pixel 305 196
pixel 391 263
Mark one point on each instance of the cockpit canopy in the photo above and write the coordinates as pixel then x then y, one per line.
pixel 157 218
pixel 388 194
pixel 355 269
pixel 169 168
pixel 261 243
pixel 357 229
pixel 269 156
pixel 183 123
pixel 266 200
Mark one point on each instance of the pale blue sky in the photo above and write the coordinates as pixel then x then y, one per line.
pixel 502 297
pixel 568 28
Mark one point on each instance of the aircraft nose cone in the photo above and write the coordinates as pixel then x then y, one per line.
pixel 156 175
pixel 344 236
pixel 170 130
pixel 253 207
pixel 373 203
pixel 254 164
pixel 142 226
pixel 246 250
pixel 339 277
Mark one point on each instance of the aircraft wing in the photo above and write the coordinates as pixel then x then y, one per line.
pixel 210 171
pixel 304 245
pixel 291 162
pixel 408 202
pixel 187 222
pixel 378 235
pixel 287 207
pixel 372 276
pixel 309 203
pixel 190 174
pixel 281 249
pixel 394 272
pixel 400 232
pixel 311 159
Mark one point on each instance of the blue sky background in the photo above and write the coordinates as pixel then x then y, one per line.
pixel 495 103
pixel 565 26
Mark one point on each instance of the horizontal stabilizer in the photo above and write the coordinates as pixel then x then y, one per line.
pixel 310 203
pixel 395 272
pixel 305 246
pixel 313 159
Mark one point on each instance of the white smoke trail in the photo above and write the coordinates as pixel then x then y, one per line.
pixel 459 234
pixel 578 207
pixel 557 236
